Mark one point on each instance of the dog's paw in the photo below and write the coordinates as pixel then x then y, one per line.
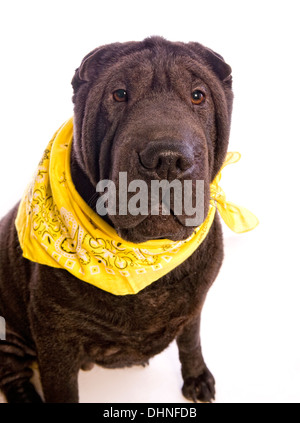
pixel 200 388
pixel 21 392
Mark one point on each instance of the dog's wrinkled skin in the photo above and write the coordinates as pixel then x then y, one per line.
pixel 66 324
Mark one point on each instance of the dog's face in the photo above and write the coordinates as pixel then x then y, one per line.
pixel 158 111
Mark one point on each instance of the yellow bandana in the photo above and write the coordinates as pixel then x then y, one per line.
pixel 57 228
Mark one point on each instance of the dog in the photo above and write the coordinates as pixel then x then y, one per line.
pixel 157 110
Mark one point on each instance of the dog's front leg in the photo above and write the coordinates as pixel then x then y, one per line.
pixel 58 360
pixel 199 383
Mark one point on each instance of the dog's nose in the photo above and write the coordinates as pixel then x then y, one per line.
pixel 168 159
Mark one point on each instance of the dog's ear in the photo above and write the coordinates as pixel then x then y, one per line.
pixel 218 64
pixel 89 67
pixel 215 61
pixel 98 59
pixel 81 73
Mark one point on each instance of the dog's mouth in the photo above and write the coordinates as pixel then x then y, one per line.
pixel 156 227
pixel 163 225
pixel 140 228
pixel 146 215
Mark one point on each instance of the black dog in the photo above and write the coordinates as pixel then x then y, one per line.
pixel 140 107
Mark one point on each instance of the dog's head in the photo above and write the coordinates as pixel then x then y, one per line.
pixel 153 110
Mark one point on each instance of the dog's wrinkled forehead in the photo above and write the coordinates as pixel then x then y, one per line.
pixel 156 50
pixel 146 77
pixel 146 74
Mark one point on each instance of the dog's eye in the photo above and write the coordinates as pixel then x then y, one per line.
pixel 120 95
pixel 197 97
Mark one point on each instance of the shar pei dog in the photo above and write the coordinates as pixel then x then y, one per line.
pixel 153 110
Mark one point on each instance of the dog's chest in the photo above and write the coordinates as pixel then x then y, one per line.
pixel 131 330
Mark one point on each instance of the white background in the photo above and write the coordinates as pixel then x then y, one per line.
pixel 250 329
